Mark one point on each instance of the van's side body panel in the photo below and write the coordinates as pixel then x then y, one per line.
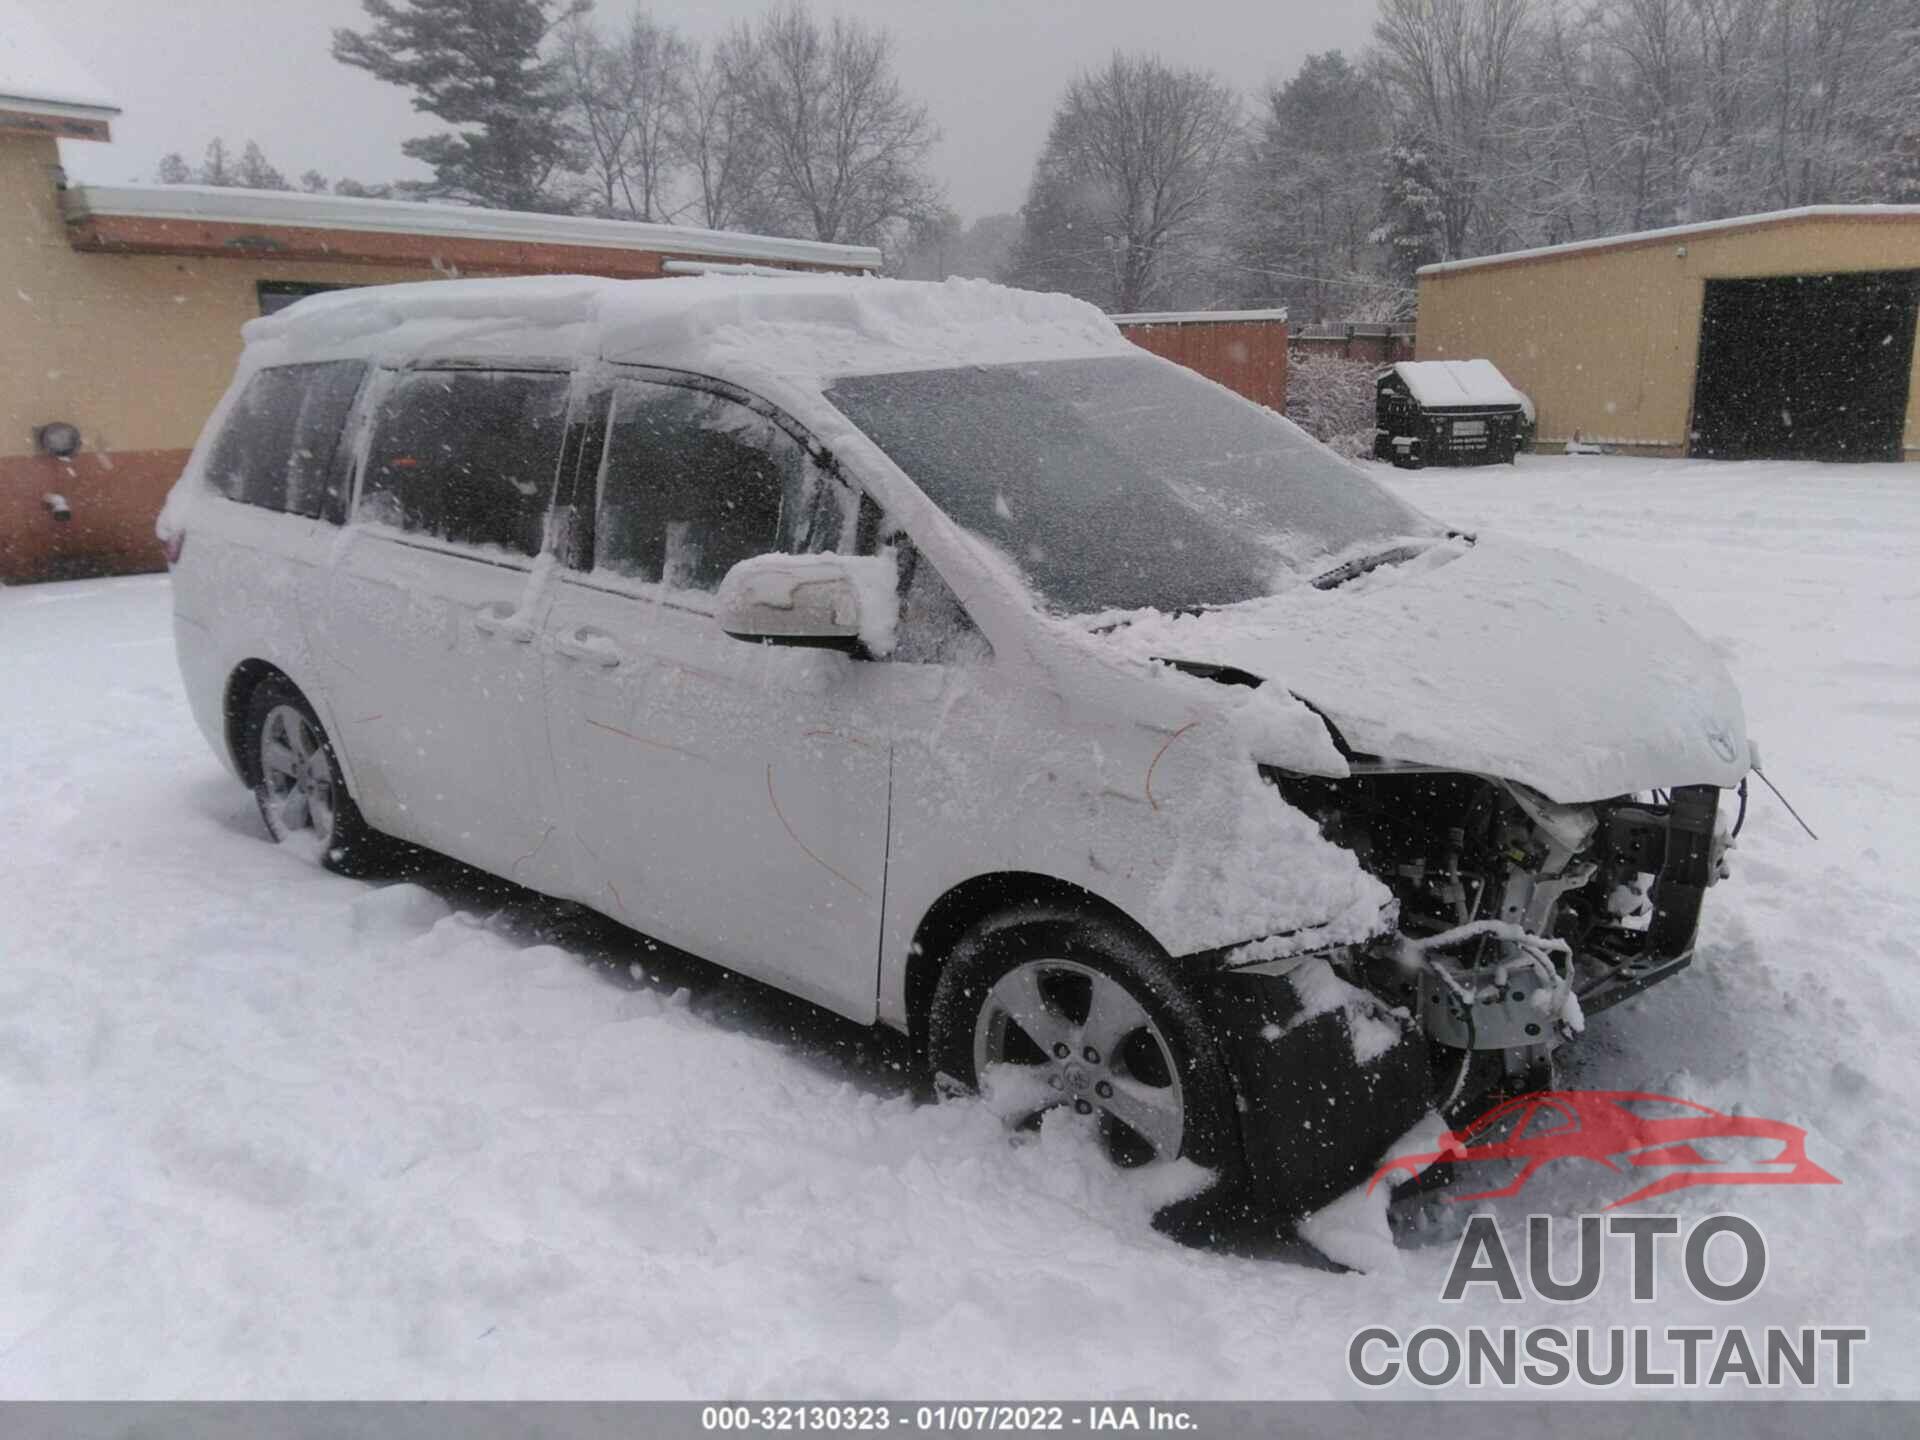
pixel 794 815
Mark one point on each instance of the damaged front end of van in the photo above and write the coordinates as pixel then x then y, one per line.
pixel 1547 820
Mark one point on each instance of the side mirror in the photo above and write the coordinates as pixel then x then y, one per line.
pixel 836 602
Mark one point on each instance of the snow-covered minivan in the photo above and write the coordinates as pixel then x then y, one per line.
pixel 934 654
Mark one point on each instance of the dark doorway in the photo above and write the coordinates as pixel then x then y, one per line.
pixel 1805 367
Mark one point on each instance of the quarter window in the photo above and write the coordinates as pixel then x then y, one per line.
pixel 934 627
pixel 467 456
pixel 694 483
pixel 279 446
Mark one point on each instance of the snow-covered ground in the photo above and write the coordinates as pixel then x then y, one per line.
pixel 267 1132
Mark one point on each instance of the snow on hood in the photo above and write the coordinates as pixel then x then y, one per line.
pixel 1503 659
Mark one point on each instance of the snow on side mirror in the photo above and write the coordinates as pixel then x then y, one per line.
pixel 837 602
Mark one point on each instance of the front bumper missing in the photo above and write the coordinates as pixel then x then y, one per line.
pixel 1629 979
pixel 1314 1119
pixel 1676 843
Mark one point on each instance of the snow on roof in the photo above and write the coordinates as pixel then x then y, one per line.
pixel 1457 382
pixel 222 204
pixel 801 327
pixel 37 73
pixel 1198 317
pixel 1678 232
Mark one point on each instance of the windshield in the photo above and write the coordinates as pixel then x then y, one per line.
pixel 1123 482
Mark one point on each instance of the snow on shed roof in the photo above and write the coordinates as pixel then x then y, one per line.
pixel 1677 232
pixel 1199 317
pixel 220 204
pixel 799 327
pixel 37 72
pixel 1457 382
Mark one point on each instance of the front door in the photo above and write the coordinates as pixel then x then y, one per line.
pixel 428 645
pixel 726 797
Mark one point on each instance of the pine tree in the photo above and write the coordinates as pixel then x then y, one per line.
pixel 1413 225
pixel 216 166
pixel 1307 194
pixel 477 65
pixel 256 173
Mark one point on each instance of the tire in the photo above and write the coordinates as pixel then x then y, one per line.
pixel 298 785
pixel 1165 1058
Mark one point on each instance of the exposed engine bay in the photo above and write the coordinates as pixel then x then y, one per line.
pixel 1518 915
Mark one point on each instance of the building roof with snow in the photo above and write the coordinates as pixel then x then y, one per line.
pixel 42 87
pixel 1442 384
pixel 1676 234
pixel 223 220
pixel 1202 317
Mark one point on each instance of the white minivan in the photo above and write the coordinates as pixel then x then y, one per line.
pixel 933 653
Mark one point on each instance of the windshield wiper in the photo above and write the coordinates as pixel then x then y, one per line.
pixel 1340 574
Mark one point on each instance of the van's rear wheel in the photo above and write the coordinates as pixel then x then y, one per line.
pixel 1044 1009
pixel 297 783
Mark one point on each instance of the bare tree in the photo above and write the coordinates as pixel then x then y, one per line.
pixel 625 95
pixel 1455 67
pixel 1133 166
pixel 1834 79
pixel 714 135
pixel 846 149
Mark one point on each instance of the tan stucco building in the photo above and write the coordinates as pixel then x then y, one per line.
pixel 121 308
pixel 1787 334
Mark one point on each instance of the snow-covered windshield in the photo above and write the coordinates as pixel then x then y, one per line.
pixel 1122 482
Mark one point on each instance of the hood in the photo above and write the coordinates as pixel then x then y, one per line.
pixel 1504 659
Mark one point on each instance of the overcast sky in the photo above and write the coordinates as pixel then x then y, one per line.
pixel 989 70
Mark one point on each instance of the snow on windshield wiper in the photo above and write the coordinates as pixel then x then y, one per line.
pixel 1353 569
pixel 1108 623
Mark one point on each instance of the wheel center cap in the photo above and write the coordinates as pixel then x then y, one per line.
pixel 1076 1076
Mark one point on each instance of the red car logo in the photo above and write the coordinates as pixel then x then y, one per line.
pixel 1624 1130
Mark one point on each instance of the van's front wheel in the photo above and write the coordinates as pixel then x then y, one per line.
pixel 1043 1010
pixel 297 783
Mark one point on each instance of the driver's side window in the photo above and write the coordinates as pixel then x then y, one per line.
pixel 694 482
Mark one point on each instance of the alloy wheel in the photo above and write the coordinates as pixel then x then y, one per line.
pixel 1056 1033
pixel 296 775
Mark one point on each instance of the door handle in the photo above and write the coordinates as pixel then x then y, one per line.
pixel 592 646
pixel 500 620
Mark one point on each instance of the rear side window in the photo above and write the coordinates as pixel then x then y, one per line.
pixel 467 456
pixel 281 448
pixel 695 482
